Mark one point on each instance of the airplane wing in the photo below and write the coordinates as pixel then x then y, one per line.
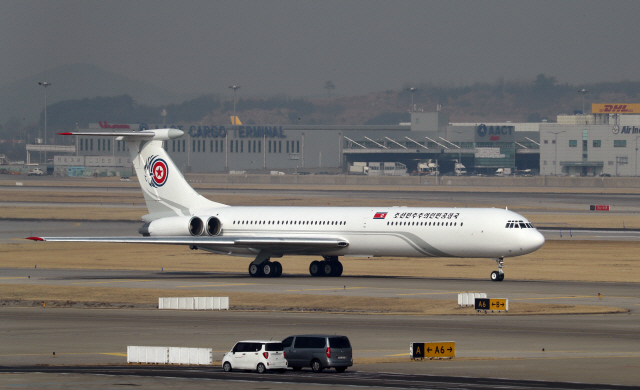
pixel 272 243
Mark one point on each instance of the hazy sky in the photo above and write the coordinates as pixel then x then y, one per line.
pixel 293 47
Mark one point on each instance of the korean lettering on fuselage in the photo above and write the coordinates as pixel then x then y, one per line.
pixel 434 215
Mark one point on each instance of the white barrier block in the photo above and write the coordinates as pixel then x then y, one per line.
pixel 459 299
pixel 194 303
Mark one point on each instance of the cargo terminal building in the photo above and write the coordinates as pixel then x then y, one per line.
pixel 602 143
pixel 481 148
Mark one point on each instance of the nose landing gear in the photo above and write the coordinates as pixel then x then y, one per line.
pixel 498 276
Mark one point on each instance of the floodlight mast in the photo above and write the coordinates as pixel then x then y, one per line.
pixel 226 137
pixel 45 84
pixel 412 90
pixel 583 92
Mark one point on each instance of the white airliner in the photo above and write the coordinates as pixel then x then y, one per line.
pixel 178 215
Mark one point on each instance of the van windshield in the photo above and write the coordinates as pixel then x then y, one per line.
pixel 272 347
pixel 339 342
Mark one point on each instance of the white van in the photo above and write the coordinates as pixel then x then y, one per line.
pixel 255 355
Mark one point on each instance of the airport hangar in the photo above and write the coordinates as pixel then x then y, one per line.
pixel 577 145
pixel 482 148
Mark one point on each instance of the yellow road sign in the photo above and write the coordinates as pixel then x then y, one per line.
pixel 499 304
pixel 442 349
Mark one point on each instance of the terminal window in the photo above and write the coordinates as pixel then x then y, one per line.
pixel 597 143
pixel 620 143
pixel 546 141
pixel 573 143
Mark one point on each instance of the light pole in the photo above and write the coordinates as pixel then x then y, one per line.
pixel 45 85
pixel 583 92
pixel 412 90
pixel 226 138
pixel 555 161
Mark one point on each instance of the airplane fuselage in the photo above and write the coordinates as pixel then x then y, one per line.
pixel 386 231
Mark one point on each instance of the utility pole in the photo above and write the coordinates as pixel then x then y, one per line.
pixel 45 85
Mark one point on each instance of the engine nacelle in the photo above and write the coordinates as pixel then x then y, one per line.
pixel 213 226
pixel 173 226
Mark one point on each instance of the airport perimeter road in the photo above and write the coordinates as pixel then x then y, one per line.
pixel 588 349
pixel 214 378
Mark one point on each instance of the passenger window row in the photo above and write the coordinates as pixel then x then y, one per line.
pixel 424 223
pixel 290 223
pixel 519 225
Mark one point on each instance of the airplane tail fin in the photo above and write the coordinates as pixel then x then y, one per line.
pixel 165 190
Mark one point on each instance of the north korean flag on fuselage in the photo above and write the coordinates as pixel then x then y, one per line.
pixel 379 215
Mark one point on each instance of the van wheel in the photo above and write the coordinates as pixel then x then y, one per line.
pixel 227 367
pixel 340 369
pixel 261 368
pixel 316 366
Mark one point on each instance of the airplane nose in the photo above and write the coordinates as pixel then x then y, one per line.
pixel 535 240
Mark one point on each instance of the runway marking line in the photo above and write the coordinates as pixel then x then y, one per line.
pixel 332 288
pixel 113 281
pixel 218 285
pixel 438 293
pixel 575 296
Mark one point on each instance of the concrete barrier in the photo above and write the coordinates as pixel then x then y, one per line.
pixel 169 355
pixel 194 303
pixel 468 299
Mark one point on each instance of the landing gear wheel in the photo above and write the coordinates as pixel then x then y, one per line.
pixel 261 368
pixel 278 268
pixel 226 367
pixel 338 269
pixel 268 269
pixel 314 268
pixel 255 270
pixel 498 276
pixel 328 268
pixel 316 366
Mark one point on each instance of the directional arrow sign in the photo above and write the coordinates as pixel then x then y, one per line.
pixel 500 304
pixel 439 349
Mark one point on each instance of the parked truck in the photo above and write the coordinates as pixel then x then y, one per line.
pixel 503 171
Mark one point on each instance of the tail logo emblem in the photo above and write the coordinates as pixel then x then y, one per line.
pixel 156 171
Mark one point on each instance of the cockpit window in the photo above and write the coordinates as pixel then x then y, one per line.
pixel 519 225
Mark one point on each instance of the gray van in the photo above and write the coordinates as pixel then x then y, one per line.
pixel 318 352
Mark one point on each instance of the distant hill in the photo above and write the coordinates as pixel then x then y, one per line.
pixel 24 99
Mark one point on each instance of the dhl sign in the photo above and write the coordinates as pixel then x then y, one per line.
pixel 615 108
pixel 441 349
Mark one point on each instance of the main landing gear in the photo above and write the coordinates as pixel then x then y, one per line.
pixel 498 276
pixel 330 266
pixel 262 266
pixel 266 269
